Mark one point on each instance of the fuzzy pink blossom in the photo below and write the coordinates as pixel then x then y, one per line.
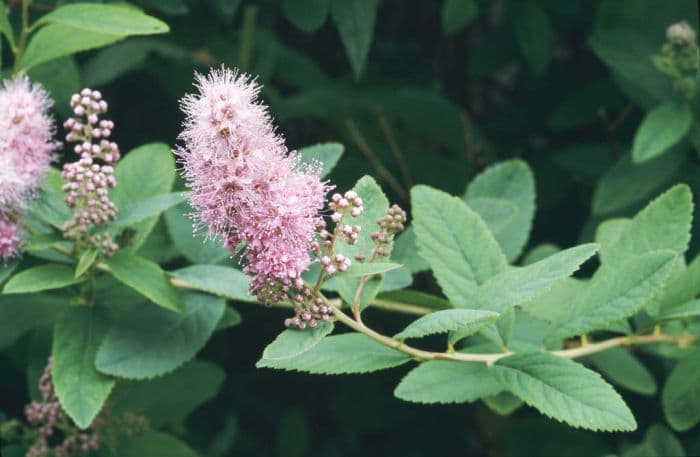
pixel 247 188
pixel 27 145
pixel 9 237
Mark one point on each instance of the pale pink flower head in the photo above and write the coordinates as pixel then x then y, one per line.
pixel 27 145
pixel 10 239
pixel 247 188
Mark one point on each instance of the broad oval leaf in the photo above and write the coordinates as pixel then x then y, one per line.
pixel 462 320
pixel 85 262
pixel 155 341
pixel 218 280
pixel 150 207
pixel 681 394
pixel 354 20
pixel 341 354
pixel 146 278
pixel 58 40
pixel 520 284
pixel 111 19
pixel 441 381
pixel 615 295
pixel 564 390
pixel 660 129
pixel 456 243
pixel 293 342
pixel 512 181
pixel 80 388
pixel 43 277
pixel 623 369
pixel 663 224
pixel 306 15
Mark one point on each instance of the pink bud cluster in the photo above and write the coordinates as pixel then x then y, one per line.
pixel 90 177
pixel 309 307
pixel 247 188
pixel 27 145
pixel 47 417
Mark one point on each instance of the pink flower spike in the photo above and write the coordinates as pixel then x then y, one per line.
pixel 9 238
pixel 247 188
pixel 27 145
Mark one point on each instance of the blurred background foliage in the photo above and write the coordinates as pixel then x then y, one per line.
pixel 418 92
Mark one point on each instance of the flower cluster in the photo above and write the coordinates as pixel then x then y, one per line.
pixel 47 417
pixel 27 148
pixel 90 177
pixel 390 225
pixel 680 59
pixel 247 188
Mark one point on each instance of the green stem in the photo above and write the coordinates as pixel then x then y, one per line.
pixel 245 51
pixel 24 34
pixel 490 359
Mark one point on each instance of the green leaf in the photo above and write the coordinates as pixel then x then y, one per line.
pixel 512 181
pixel 138 182
pixel 85 262
pixel 681 394
pixel 147 208
pixel 58 40
pixel 6 270
pixel 111 19
pixel 456 243
pixel 341 354
pixel 375 206
pixel 564 390
pixel 608 233
pixel 194 246
pixel 683 287
pixel 520 284
pixel 21 313
pixel 43 277
pixel 661 128
pixel 616 295
pixel 663 224
pixel 354 20
pixel 306 15
pixel 154 443
pixel 172 397
pixel 625 370
pixel 503 403
pixel 226 282
pixel 658 442
pixel 540 252
pixel 231 318
pixel 534 34
pixel 80 388
pixel 51 206
pixel 461 320
pixel 581 107
pixel 328 154
pixel 61 79
pixel 292 342
pixel 457 14
pixel 438 381
pixel 626 184
pixel 627 54
pixel 5 26
pixel 405 252
pixel 155 341
pixel 498 213
pixel 684 311
pixel 145 277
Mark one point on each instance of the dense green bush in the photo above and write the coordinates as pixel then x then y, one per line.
pixel 543 297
